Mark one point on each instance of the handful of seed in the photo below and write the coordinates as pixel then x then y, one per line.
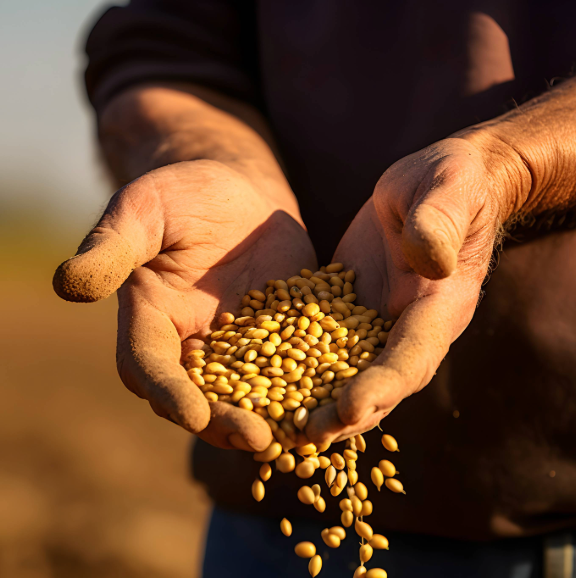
pixel 292 349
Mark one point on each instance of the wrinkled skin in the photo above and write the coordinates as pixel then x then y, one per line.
pixel 421 247
pixel 190 239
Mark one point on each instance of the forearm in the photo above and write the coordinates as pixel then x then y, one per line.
pixel 148 127
pixel 533 150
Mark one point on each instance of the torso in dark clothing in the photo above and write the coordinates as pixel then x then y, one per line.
pixel 349 88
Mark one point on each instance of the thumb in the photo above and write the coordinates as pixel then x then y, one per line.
pixel 128 235
pixel 437 226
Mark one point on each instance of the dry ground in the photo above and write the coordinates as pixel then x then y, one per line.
pixel 92 483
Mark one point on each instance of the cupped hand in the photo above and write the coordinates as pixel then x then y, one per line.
pixel 421 248
pixel 183 244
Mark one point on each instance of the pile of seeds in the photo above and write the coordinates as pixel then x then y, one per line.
pixel 292 349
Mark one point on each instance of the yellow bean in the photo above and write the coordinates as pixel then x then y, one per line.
pixel 258 490
pixel 395 485
pixel 320 505
pixel 361 491
pixel 306 495
pixel 286 463
pixel 215 368
pixel 330 475
pixel 379 542
pixel 347 519
pixel 363 530
pixel 334 268
pixel 331 540
pixel 305 549
pixel 342 480
pixel 352 477
pixel 345 505
pixel 338 531
pixel 350 455
pixel 376 573
pixel 356 505
pixel 315 565
pixel 276 411
pixel 346 373
pixel 390 443
pixel 336 490
pixel 319 392
pixel 265 472
pixel 286 527
pixel 367 508
pixel 317 491
pixel 315 329
pixel 211 396
pixel 310 403
pixel 366 552
pixel 290 404
pixel 272 452
pixel 260 381
pixel 360 443
pixel 246 404
pixel 301 417
pixel 306 450
pixel 360 572
pixel 293 376
pixel 305 469
pixel 377 477
pixel 296 354
pixel 324 462
pixel 337 461
pixel 387 468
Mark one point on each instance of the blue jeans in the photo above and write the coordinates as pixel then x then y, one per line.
pixel 241 546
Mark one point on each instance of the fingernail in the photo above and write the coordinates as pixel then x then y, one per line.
pixel 240 443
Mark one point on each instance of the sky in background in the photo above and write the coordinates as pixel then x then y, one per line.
pixel 48 161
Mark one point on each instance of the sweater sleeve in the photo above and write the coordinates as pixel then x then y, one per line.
pixel 207 42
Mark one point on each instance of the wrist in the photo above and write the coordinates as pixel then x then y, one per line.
pixel 510 168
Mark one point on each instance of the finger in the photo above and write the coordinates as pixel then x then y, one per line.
pixel 128 235
pixel 231 427
pixel 325 425
pixel 438 224
pixel 149 363
pixel 416 346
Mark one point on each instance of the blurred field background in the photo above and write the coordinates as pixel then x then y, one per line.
pixel 92 483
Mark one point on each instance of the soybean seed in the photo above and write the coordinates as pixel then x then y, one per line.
pixel 331 540
pixel 376 573
pixel 258 490
pixel 286 463
pixel 395 485
pixel 330 475
pixel 389 443
pixel 305 549
pixel 272 452
pixel 363 530
pixel 265 472
pixel 338 531
pixel 379 542
pixel 366 552
pixel 315 565
pixel 305 469
pixel 320 504
pixel 387 468
pixel 377 477
pixel 347 519
pixel 286 527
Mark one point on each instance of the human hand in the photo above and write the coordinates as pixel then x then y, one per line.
pixel 421 248
pixel 181 245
